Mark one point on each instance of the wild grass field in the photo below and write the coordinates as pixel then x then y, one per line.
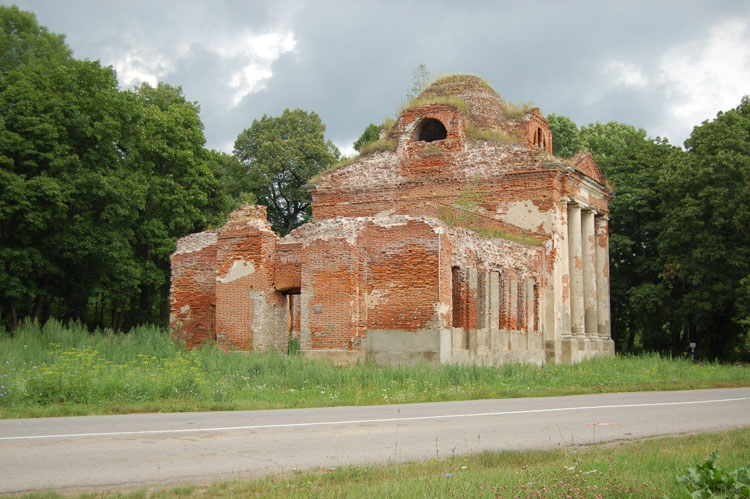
pixel 59 369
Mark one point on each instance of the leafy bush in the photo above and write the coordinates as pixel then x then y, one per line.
pixel 709 480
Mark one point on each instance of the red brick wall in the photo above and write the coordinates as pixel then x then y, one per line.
pixel 193 289
pixel 534 128
pixel 584 162
pixel 403 268
pixel 288 267
pixel 244 274
pixel 330 271
pixel 373 274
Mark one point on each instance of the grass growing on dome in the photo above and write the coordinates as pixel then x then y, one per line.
pixel 426 100
pixel 516 110
pixel 380 145
pixel 475 133
pixel 432 150
pixel 446 85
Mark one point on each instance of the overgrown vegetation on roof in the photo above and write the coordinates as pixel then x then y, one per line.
pixel 475 133
pixel 516 110
pixel 380 145
pixel 453 84
pixel 426 100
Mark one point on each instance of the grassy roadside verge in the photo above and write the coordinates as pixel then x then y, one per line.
pixel 65 370
pixel 641 468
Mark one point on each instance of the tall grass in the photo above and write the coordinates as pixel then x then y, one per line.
pixel 490 135
pixel 637 469
pixel 516 110
pixel 451 100
pixel 642 469
pixel 63 369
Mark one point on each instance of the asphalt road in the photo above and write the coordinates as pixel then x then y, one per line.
pixel 163 449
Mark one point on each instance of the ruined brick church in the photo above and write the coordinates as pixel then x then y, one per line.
pixel 460 238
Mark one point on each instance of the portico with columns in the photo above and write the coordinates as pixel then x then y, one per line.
pixel 587 269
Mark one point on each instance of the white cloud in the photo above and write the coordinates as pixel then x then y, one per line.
pixel 136 67
pixel 625 74
pixel 256 54
pixel 694 80
pixel 248 58
pixel 705 78
pixel 267 46
pixel 347 149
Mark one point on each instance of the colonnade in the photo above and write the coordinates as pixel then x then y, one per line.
pixel 588 270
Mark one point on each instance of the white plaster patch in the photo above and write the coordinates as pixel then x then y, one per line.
pixel 238 270
pixel 184 309
pixel 349 228
pixel 525 215
pixel 442 308
pixel 385 213
pixel 375 298
pixel 469 250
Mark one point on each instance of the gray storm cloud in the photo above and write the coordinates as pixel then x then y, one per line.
pixel 662 66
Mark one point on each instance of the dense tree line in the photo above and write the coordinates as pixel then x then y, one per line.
pixel 680 232
pixel 97 184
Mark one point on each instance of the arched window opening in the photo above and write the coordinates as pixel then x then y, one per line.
pixel 430 130
pixel 539 142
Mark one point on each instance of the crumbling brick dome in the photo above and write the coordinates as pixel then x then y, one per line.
pixel 482 106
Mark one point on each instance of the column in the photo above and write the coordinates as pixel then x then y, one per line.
pixel 560 282
pixel 589 273
pixel 530 306
pixel 494 302
pixel 577 315
pixel 602 276
pixel 513 305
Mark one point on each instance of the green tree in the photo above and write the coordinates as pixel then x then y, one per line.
pixel 608 141
pixel 566 138
pixel 705 243
pixel 278 156
pixel 23 41
pixel 97 184
pixel 182 193
pixel 66 205
pixel 370 135
pixel 640 305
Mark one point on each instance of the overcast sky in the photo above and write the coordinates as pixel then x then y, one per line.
pixel 661 65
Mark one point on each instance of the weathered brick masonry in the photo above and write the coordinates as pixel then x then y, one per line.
pixel 412 254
